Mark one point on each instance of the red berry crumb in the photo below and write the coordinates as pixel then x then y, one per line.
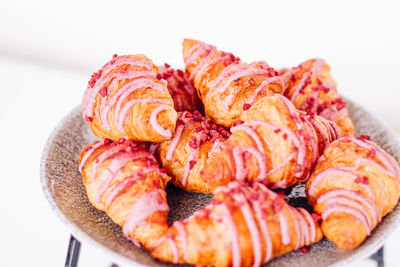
pixel 362 180
pixel 103 91
pixel 191 164
pixel 304 249
pixel 364 137
pixel 238 122
pixel 316 217
pixel 88 119
pixel 246 107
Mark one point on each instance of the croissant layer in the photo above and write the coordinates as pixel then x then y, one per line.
pixel 186 155
pixel 354 185
pixel 225 84
pixel 123 180
pixel 274 144
pixel 126 99
pixel 311 88
pixel 242 226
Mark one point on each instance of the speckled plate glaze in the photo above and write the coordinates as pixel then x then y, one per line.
pixel 62 185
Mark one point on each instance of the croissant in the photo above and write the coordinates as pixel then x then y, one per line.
pixel 241 226
pixel 180 87
pixel 311 88
pixel 226 85
pixel 274 144
pixel 123 179
pixel 186 154
pixel 126 99
pixel 354 185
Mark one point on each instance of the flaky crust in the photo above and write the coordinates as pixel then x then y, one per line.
pixel 186 154
pixel 354 185
pixel 311 88
pixel 242 226
pixel 275 144
pixel 126 99
pixel 123 179
pixel 225 84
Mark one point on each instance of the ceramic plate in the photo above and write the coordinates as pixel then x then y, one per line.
pixel 62 185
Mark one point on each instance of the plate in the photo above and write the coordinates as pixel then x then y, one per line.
pixel 63 188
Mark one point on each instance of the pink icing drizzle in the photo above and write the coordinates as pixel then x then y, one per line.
pixel 353 204
pixel 261 86
pixel 252 134
pixel 123 93
pixel 310 223
pixel 295 221
pixel 192 156
pixel 124 111
pixel 145 206
pixel 237 73
pixel 241 171
pixel 116 164
pixel 174 249
pixel 91 93
pixel 183 237
pixel 88 153
pixel 295 139
pixel 383 156
pixel 252 226
pixel 105 155
pixel 299 86
pixel 174 142
pixel 156 126
pixel 371 206
pixel 196 51
pixel 333 208
pixel 320 176
pixel 228 71
pixel 211 53
pixel 121 186
pixel 284 226
pixel 207 64
pixel 264 230
pixel 236 253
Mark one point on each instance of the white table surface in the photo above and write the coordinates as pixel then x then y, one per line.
pixel 48 51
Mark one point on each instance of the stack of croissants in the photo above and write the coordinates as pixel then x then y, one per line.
pixel 242 132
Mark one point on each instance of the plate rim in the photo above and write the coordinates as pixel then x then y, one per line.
pixel 81 235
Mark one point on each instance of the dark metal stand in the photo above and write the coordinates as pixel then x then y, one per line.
pixel 378 257
pixel 75 247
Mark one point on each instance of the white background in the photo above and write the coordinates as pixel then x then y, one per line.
pixel 48 50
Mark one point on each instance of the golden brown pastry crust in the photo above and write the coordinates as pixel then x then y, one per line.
pixel 242 226
pixel 311 88
pixel 226 85
pixel 186 154
pixel 123 179
pixel 126 99
pixel 354 185
pixel 275 144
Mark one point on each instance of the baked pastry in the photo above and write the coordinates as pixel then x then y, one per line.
pixel 354 185
pixel 226 85
pixel 124 180
pixel 126 99
pixel 180 87
pixel 186 154
pixel 311 88
pixel 274 144
pixel 241 226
